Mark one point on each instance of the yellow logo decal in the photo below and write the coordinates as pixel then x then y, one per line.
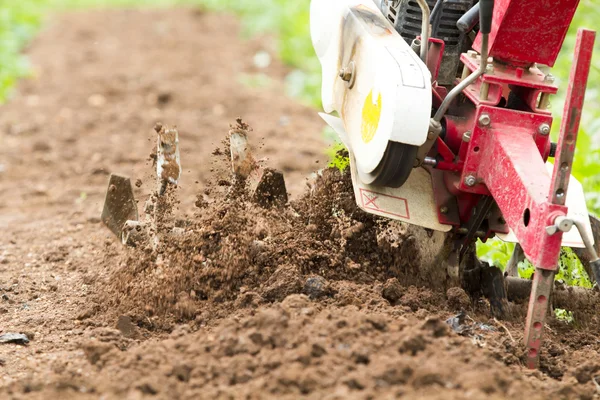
pixel 370 117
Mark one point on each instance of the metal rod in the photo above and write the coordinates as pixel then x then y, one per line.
pixel 589 246
pixel 424 29
pixel 441 111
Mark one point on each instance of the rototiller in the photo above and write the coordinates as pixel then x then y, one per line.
pixel 443 107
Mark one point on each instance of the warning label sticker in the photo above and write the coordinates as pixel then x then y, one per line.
pixel 384 203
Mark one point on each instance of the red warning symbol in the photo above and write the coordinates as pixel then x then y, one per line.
pixel 384 203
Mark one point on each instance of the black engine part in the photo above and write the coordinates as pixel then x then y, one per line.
pixel 406 17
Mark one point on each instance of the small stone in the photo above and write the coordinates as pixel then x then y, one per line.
pixel 316 287
pixel 392 291
pixel 125 326
pixel 17 338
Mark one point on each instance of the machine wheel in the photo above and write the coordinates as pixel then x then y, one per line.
pixel 395 166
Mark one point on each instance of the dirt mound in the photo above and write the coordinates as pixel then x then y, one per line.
pixel 307 298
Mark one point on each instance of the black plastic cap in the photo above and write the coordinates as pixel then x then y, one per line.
pixel 486 10
pixel 467 22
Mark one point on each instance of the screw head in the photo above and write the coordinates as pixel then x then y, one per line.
pixel 348 74
pixel 549 78
pixel 444 210
pixel 345 74
pixel 564 224
pixel 485 120
pixel 470 180
pixel 466 137
pixel 544 129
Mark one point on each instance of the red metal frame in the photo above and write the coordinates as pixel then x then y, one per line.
pixel 529 31
pixel 490 149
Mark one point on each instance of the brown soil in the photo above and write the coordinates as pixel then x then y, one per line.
pixel 311 299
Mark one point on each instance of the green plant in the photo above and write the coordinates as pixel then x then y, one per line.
pixel 339 156
pixel 564 315
pixel 18 23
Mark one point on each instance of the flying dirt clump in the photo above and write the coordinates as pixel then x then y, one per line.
pixel 242 244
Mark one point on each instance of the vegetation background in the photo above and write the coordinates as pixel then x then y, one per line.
pixel 288 22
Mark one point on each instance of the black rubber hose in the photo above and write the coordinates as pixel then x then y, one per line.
pixel 437 9
pixel 467 22
pixel 486 11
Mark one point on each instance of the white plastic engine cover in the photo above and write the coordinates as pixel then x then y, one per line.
pixel 390 99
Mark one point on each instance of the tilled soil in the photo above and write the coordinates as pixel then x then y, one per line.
pixel 311 299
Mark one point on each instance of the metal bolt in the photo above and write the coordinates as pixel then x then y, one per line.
pixel 484 120
pixel 544 129
pixel 466 137
pixel 465 73
pixel 430 161
pixel 562 224
pixel 345 74
pixel 348 74
pixel 544 101
pixel 444 210
pixel 470 180
pixel 484 91
pixel 416 45
pixel 549 78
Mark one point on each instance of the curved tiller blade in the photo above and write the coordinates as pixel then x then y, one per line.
pixel 119 204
